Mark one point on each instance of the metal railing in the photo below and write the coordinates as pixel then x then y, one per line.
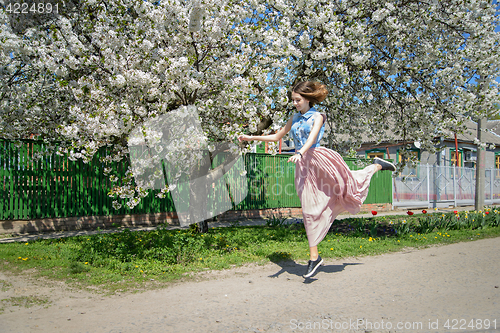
pixel 442 186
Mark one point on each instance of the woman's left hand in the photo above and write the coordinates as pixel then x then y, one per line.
pixel 295 158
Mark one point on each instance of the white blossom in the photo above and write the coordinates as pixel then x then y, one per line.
pixel 102 70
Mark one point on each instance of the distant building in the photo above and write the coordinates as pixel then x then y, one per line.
pixel 467 150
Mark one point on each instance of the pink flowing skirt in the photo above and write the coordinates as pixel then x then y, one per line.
pixel 326 187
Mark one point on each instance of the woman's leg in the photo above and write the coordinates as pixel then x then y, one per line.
pixel 314 263
pixel 313 253
pixel 385 165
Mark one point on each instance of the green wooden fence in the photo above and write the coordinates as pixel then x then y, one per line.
pixel 55 186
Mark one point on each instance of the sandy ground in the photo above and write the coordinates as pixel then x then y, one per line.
pixel 453 288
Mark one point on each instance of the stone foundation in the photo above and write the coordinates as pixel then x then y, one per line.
pixel 16 227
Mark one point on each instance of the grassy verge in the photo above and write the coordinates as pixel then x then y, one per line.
pixel 126 259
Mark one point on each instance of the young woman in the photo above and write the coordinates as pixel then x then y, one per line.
pixel 325 184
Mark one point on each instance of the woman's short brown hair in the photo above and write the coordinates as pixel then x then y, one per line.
pixel 314 92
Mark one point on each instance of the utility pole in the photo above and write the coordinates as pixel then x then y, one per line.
pixel 481 152
pixel 480 168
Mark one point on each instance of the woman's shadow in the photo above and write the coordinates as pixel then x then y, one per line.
pixel 291 267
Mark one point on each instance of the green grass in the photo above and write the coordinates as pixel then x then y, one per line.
pixel 23 301
pixel 126 260
pixel 5 285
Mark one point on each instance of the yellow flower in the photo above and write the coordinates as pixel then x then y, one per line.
pixel 399 241
pixel 25 259
pixel 25 243
pixel 370 239
pixel 142 272
pixel 331 249
pixel 435 237
pixel 86 262
pixel 19 258
pixel 360 246
pixel 411 235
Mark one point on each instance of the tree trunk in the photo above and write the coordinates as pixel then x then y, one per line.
pixel 200 191
pixel 203 226
pixel 197 197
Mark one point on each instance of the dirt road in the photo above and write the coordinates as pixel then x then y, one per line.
pixel 453 288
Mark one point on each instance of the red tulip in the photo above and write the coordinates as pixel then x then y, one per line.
pixel 486 213
pixel 424 211
pixel 455 212
pixel 374 212
pixel 409 213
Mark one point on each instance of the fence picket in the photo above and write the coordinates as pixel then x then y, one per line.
pixel 24 187
pixel 55 186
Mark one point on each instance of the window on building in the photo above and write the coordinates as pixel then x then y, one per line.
pixel 371 154
pixel 409 171
pixel 413 153
pixel 497 166
pixel 453 158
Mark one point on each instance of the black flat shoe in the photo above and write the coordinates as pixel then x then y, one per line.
pixel 312 266
pixel 385 165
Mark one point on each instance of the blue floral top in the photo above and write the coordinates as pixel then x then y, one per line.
pixel 302 125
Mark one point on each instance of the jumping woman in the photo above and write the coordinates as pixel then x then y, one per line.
pixel 324 183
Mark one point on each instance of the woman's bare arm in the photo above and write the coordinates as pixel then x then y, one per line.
pixel 268 138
